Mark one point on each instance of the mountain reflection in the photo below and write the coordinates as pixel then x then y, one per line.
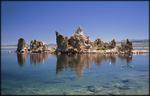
pixel 80 62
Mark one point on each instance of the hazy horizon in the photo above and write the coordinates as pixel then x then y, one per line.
pixel 99 19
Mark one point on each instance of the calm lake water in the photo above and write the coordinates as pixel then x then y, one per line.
pixel 78 74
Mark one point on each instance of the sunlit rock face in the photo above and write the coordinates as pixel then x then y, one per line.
pixel 77 43
pixel 38 46
pixel 22 46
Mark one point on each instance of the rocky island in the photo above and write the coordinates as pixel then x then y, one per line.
pixel 78 43
pixel 35 46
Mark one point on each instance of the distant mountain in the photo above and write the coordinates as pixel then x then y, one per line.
pixel 52 45
pixel 140 41
pixel 136 40
pixel 15 46
pixel 8 46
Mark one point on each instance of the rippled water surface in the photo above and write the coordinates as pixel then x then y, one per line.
pixel 77 74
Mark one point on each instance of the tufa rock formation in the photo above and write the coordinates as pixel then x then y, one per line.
pixel 80 43
pixel 38 46
pixel 75 44
pixel 22 46
pixel 35 47
pixel 126 47
pixel 100 45
pixel 62 43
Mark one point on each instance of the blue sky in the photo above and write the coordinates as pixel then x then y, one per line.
pixel 106 20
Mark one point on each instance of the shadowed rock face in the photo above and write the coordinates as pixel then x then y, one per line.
pixel 22 46
pixel 38 46
pixel 62 43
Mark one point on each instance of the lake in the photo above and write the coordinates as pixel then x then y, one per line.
pixel 76 74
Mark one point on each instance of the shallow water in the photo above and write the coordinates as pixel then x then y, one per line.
pixel 78 74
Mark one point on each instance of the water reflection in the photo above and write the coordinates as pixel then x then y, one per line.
pixel 80 62
pixel 77 63
pixel 21 58
pixel 127 58
pixel 34 58
pixel 38 58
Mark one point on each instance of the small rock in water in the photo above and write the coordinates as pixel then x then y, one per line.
pixel 91 88
pixel 125 81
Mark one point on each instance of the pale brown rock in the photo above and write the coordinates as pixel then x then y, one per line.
pixel 75 44
pixel 80 43
pixel 38 46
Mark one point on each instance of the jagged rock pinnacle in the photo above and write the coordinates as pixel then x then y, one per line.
pixel 79 31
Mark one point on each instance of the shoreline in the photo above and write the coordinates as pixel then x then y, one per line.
pixel 138 52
